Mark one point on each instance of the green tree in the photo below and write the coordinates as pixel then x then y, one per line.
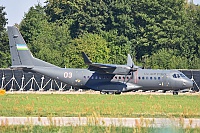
pixel 119 47
pixel 93 45
pixel 32 24
pixel 51 43
pixel 166 59
pixel 45 39
pixel 4 45
pixel 140 27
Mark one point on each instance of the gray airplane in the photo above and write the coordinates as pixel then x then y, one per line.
pixel 106 78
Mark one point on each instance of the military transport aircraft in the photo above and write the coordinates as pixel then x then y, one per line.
pixel 106 78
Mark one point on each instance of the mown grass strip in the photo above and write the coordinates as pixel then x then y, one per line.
pixel 101 105
pixel 93 129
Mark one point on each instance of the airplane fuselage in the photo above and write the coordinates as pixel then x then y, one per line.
pixel 101 77
pixel 144 79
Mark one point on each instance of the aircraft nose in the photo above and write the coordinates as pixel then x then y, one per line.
pixel 188 83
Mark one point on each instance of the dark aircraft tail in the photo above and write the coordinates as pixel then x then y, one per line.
pixel 20 53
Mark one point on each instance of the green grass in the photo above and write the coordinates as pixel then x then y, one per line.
pixel 100 105
pixel 93 129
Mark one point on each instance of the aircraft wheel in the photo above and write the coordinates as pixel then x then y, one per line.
pixel 110 92
pixel 102 92
pixel 117 93
pixel 175 92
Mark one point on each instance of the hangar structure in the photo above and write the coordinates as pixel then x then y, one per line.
pixel 17 80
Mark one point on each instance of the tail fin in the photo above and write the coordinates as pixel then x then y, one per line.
pixel 20 54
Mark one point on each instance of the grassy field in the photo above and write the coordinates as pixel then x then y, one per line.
pixel 93 129
pixel 100 105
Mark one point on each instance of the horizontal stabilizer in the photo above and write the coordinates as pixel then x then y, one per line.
pixel 21 67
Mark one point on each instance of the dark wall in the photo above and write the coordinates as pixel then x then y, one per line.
pixel 8 82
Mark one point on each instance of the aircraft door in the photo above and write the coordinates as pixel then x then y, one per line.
pixel 79 78
pixel 134 77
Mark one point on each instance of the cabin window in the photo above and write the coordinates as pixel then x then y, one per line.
pixel 96 77
pixel 88 76
pixel 158 78
pixel 99 77
pixel 151 78
pixel 119 77
pixel 143 78
pixel 174 76
pixel 127 77
pixel 84 77
pixel 123 77
pixel 115 77
pixel 147 78
pixel 138 77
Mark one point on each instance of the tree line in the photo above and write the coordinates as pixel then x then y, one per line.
pixel 161 34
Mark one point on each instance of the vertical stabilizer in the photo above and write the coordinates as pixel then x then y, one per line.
pixel 20 53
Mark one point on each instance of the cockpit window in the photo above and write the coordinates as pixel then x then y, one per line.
pixel 182 75
pixel 174 76
pixel 178 75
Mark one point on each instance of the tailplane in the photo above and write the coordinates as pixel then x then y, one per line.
pixel 20 53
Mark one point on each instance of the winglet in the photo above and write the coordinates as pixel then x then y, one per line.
pixel 86 59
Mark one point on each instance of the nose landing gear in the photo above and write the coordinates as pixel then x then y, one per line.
pixel 110 92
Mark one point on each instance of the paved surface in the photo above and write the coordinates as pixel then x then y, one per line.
pixel 76 121
pixel 96 92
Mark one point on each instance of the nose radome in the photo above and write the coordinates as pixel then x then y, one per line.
pixel 188 83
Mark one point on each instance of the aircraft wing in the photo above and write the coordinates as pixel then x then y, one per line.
pixel 106 68
pixel 102 68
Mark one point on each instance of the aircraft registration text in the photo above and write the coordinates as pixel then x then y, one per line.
pixel 67 74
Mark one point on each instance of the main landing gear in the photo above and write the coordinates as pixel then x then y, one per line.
pixel 175 92
pixel 110 92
